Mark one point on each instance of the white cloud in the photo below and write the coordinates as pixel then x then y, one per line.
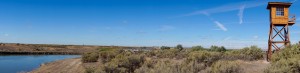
pixel 240 14
pixel 220 25
pixel 166 28
pixel 228 7
pixel 294 1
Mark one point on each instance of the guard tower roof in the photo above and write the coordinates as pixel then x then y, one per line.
pixel 278 3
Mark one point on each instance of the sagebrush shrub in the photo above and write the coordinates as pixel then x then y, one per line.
pixel 124 62
pixel 197 48
pixel 290 65
pixel 89 70
pixel 226 67
pixel 164 47
pixel 167 53
pixel 217 48
pixel 192 67
pixel 179 47
pixel 169 66
pixel 168 60
pixel 159 66
pixel 106 54
pixel 90 57
pixel 286 60
pixel 205 57
pixel 288 52
pixel 248 53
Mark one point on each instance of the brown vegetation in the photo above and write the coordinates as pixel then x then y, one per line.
pixel 115 60
pixel 174 60
pixel 44 49
pixel 286 60
pixel 17 48
pixel 90 57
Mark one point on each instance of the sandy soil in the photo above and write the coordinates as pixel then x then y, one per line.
pixel 62 66
pixel 254 66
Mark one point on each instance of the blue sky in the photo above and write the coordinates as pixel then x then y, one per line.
pixel 229 23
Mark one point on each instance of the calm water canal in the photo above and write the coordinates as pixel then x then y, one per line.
pixel 25 63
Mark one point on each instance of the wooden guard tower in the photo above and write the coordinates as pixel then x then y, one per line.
pixel 279 22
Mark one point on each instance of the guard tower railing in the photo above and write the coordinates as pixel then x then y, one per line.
pixel 292 19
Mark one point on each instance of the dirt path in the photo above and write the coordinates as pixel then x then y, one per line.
pixel 62 66
pixel 254 66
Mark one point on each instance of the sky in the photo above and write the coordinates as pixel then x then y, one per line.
pixel 230 23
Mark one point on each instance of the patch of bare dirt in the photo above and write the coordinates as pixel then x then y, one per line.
pixel 254 66
pixel 73 65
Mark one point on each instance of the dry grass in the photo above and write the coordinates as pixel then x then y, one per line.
pixel 180 61
pixel 113 60
pixel 286 60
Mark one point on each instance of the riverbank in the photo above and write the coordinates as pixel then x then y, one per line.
pixel 53 49
pixel 73 65
pixel 26 63
pixel 38 53
pixel 43 49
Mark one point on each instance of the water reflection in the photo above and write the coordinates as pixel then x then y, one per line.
pixel 25 63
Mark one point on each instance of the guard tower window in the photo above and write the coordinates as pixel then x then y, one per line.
pixel 279 11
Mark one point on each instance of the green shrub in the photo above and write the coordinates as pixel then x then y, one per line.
pixel 289 52
pixel 125 62
pixel 197 48
pixel 158 66
pixel 248 53
pixel 169 66
pixel 90 70
pixel 252 53
pixel 286 60
pixel 205 57
pixel 179 47
pixel 290 65
pixel 112 67
pixel 168 53
pixel 90 57
pixel 106 54
pixel 152 53
pixel 146 67
pixel 182 55
pixel 226 67
pixel 168 60
pixel 218 49
pixel 164 47
pixel 192 67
